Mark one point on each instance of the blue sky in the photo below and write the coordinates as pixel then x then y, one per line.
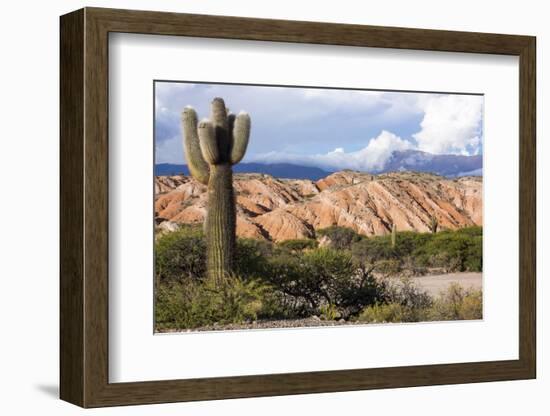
pixel 329 128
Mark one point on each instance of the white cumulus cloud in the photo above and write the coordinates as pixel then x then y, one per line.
pixel 370 158
pixel 452 124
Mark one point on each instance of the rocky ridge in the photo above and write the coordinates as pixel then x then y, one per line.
pixel 282 209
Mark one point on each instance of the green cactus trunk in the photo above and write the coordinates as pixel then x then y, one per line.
pixel 220 222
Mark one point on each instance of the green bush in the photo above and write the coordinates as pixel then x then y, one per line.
pixel 407 304
pixel 313 279
pixel 180 255
pixel 452 251
pixel 327 274
pixel 238 300
pixel 299 245
pixel 329 312
pixel 341 238
pixel 387 313
pixel 457 303
pixel 252 256
pixel 474 255
pixel 373 249
pixel 195 304
pixel 407 294
pixel 473 231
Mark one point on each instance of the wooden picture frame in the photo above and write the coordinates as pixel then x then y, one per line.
pixel 84 207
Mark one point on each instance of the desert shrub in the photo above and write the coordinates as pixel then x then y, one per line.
pixel 327 276
pixel 385 313
pixel 474 255
pixel 410 266
pixel 299 244
pixel 388 267
pixel 360 291
pixel 407 294
pixel 169 299
pixel 341 238
pixel 393 313
pixel 459 250
pixel 373 249
pixel 238 300
pixel 313 279
pixel 294 288
pixel 183 306
pixel 472 232
pixel 329 312
pixel 194 304
pixel 180 255
pixel 457 303
pixel 472 305
pixel 409 241
pixel 252 256
pixel 452 251
pixel 405 303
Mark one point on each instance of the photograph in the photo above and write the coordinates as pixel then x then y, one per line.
pixel 290 207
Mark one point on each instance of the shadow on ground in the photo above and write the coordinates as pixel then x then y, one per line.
pixel 51 390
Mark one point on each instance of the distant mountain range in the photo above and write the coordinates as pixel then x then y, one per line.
pixel 278 170
pixel 399 161
pixel 444 165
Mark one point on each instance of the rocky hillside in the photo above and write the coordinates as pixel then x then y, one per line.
pixel 282 209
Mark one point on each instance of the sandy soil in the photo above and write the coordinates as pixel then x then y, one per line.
pixel 434 284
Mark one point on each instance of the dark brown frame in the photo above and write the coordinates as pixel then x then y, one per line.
pixel 84 210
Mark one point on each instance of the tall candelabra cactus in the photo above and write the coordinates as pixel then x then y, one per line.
pixel 212 147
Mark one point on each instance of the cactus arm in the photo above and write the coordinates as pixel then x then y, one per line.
pixel 208 142
pixel 195 162
pixel 241 133
pixel 218 113
pixel 220 121
pixel 230 124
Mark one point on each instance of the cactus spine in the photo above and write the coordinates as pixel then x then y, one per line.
pixel 212 147
pixel 393 235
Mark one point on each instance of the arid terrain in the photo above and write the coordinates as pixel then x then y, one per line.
pixel 317 253
pixel 282 209
pixel 436 283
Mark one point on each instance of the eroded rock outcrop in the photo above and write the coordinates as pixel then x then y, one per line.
pixel 280 209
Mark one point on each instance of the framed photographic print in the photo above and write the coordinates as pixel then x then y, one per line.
pixel 255 207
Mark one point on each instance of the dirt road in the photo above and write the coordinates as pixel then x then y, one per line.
pixel 434 284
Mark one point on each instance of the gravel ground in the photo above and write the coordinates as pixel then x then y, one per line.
pixel 290 323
